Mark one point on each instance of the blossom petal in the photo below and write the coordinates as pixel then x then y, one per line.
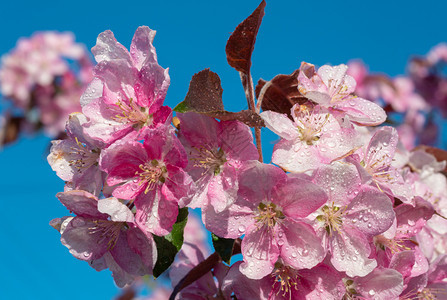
pixel 231 222
pixel 155 213
pixel 122 160
pixel 280 124
pixel 236 141
pixel 81 203
pixel 301 247
pixel 362 111
pixel 83 242
pixel 257 181
pixel 117 211
pixel 107 48
pixel 350 251
pixel 371 212
pixel 260 253
pixel 339 181
pixel 141 49
pixel 380 284
pixel 298 198
pixel 293 157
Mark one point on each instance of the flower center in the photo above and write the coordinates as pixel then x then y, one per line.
pixel 268 215
pixel 151 174
pixel 350 289
pixel 286 280
pixel 426 294
pixel 83 157
pixel 331 218
pixel 133 113
pixel 378 165
pixel 108 230
pixel 209 160
pixel 309 124
pixel 337 91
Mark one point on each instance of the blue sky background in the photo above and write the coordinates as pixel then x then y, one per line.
pixel 191 36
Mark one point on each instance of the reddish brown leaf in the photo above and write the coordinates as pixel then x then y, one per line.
pixel 280 93
pixel 204 94
pixel 241 43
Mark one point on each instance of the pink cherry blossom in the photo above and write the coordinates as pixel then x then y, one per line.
pixel 313 138
pixel 269 211
pixel 75 159
pixel 128 90
pixel 105 230
pixel 348 229
pixel 151 174
pixel 331 87
pixel 375 166
pixel 216 151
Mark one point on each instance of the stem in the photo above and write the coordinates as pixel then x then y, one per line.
pixel 259 143
pixel 196 273
pixel 247 82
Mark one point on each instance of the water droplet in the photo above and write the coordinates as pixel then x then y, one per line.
pixel 411 222
pixel 294 254
pixel 280 242
pixel 369 225
pixel 371 292
pixel 241 228
pixel 331 144
pixel 86 254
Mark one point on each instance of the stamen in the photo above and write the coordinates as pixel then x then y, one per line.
pixel 132 113
pixel 208 159
pixel 286 280
pixel 109 231
pixel 332 218
pixel 268 215
pixel 84 156
pixel 151 173
pixel 309 123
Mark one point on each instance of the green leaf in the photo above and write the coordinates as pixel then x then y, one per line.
pixel 176 235
pixel 182 107
pixel 169 245
pixel 224 247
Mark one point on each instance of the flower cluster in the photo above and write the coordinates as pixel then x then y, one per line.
pixel 44 76
pixel 343 211
pixel 415 101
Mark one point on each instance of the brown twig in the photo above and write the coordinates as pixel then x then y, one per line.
pixel 202 268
